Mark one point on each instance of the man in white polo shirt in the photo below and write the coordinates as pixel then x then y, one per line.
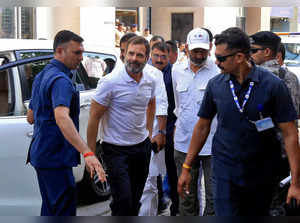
pixel 122 101
pixel 189 83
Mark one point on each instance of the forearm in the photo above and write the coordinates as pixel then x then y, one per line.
pixel 71 134
pixel 293 152
pixel 150 116
pixel 92 132
pixel 199 137
pixel 162 122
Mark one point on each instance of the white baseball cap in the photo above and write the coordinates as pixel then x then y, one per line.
pixel 198 38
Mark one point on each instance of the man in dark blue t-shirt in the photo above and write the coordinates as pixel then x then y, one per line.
pixel 248 101
pixel 56 145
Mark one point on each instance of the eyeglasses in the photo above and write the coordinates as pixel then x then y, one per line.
pixel 156 56
pixel 223 58
pixel 254 50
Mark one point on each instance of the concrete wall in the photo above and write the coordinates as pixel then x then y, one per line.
pixel 218 19
pixel 97 24
pixel 161 19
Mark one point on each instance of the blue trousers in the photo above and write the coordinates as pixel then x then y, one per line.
pixel 234 200
pixel 58 191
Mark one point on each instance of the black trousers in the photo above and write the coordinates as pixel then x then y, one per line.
pixel 172 173
pixel 127 168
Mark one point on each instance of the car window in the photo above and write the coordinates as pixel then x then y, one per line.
pixel 6 93
pixel 93 67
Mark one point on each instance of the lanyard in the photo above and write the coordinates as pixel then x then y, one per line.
pixel 241 109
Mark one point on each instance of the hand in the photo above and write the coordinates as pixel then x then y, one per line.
pixel 184 181
pixel 294 192
pixel 160 140
pixel 93 165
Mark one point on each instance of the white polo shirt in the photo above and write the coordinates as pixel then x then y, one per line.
pixel 124 123
pixel 189 90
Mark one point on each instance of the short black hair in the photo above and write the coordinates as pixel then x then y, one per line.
pixel 139 40
pixel 162 46
pixel 235 38
pixel 126 37
pixel 210 35
pixel 281 50
pixel 172 46
pixel 65 36
pixel 266 39
pixel 156 37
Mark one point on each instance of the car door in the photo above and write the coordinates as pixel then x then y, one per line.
pixel 19 194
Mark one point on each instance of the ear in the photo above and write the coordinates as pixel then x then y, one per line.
pixel 240 57
pixel 268 52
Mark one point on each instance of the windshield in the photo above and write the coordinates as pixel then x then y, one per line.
pixel 292 54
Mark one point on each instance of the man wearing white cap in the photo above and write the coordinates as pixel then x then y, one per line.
pixel 189 83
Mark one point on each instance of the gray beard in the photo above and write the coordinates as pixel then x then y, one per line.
pixel 134 70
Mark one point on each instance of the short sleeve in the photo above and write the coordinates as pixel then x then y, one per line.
pixel 284 108
pixel 208 107
pixel 61 93
pixel 103 92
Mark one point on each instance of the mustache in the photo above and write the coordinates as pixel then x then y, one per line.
pixel 158 63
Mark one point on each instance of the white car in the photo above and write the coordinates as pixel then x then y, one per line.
pixel 20 61
pixel 291 42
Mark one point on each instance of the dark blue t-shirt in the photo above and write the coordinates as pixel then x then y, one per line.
pixel 241 153
pixel 53 87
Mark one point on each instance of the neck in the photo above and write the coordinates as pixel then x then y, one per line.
pixel 243 72
pixel 136 77
pixel 195 68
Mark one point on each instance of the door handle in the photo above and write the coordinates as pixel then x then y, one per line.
pixel 30 134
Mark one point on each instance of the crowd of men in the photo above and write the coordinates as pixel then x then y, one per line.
pixel 231 116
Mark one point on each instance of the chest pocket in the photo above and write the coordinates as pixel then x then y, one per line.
pixel 200 95
pixel 182 93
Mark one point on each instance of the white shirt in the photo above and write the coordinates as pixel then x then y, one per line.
pixel 124 122
pixel 157 162
pixel 189 90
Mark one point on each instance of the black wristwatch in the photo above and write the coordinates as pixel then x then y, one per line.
pixel 164 132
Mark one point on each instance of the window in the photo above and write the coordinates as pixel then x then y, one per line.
pixel 6 99
pixel 17 22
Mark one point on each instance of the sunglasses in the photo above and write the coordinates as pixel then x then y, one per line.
pixel 223 58
pixel 78 52
pixel 254 50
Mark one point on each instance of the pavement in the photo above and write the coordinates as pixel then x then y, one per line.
pixel 102 208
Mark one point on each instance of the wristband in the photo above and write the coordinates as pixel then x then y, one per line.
pixel 184 165
pixel 88 154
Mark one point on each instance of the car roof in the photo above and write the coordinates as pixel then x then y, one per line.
pixel 29 44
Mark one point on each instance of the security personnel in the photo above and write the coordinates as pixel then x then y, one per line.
pixel 250 101
pixel 54 110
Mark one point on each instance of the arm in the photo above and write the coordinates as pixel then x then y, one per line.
pixel 150 116
pixel 200 133
pixel 30 118
pixel 160 138
pixel 96 112
pixel 290 135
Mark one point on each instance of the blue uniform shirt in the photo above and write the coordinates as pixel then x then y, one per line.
pixel 167 71
pixel 241 153
pixel 53 87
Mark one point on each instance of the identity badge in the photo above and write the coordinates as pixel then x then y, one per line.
pixel 264 124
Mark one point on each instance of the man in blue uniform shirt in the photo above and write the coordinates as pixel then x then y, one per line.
pixel 56 146
pixel 249 101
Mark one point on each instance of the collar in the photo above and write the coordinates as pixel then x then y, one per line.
pixel 252 76
pixel 127 77
pixel 270 63
pixel 61 67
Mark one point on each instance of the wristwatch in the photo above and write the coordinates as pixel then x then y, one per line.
pixel 164 132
